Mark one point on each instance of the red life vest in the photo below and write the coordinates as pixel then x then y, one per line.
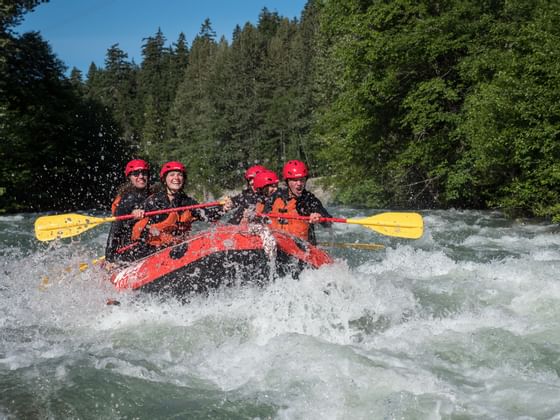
pixel 299 228
pixel 115 204
pixel 172 230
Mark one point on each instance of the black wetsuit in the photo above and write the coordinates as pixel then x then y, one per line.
pixel 121 230
pixel 246 200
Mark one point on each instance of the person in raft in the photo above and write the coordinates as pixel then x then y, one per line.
pixel 163 230
pixel 265 184
pixel 246 200
pixel 296 200
pixel 129 200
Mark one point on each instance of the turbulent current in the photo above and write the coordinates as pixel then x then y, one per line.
pixel 463 323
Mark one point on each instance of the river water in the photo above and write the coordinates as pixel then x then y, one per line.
pixel 463 324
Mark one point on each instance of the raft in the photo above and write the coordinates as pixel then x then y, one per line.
pixel 226 255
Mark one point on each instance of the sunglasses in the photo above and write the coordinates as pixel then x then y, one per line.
pixel 139 172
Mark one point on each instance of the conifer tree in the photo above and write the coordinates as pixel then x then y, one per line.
pixel 119 91
pixel 246 59
pixel 53 154
pixel 155 93
pixel 193 111
pixel 181 55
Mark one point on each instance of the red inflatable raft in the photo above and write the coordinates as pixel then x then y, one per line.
pixel 223 256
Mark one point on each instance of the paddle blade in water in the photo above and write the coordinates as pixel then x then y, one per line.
pixel 48 228
pixel 401 225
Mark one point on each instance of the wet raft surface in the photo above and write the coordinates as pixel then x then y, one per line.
pixel 224 256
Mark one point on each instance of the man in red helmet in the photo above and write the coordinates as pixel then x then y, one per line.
pixel 247 199
pixel 296 200
pixel 129 200
pixel 167 229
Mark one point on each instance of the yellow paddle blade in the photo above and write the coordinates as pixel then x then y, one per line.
pixel 48 228
pixel 401 225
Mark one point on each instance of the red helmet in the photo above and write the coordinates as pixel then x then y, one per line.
pixel 172 166
pixel 253 170
pixel 295 169
pixel 264 179
pixel 136 165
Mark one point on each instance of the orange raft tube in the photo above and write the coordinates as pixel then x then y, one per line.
pixel 230 255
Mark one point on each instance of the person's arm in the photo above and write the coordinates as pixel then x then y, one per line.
pixel 310 205
pixel 208 214
pixel 131 204
pixel 140 228
pixel 120 231
pixel 242 203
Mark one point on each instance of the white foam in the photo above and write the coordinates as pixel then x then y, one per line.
pixel 12 218
pixel 422 329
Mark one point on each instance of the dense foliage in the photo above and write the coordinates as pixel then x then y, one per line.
pixel 397 104
pixel 448 103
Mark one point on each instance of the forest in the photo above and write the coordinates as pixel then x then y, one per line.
pixel 393 104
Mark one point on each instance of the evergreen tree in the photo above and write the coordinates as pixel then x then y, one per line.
pixel 181 55
pixel 52 155
pixel 155 93
pixel 193 111
pixel 247 55
pixel 119 91
pixel 305 50
pixel 279 91
pixel 405 103
pixel 76 77
pixel 11 14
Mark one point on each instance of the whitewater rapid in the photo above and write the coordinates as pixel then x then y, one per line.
pixel 463 323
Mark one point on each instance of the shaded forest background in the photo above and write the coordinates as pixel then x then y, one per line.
pixel 400 104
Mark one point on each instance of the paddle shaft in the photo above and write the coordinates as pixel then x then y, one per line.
pixel 163 211
pixel 400 225
pixel 299 217
pixel 324 219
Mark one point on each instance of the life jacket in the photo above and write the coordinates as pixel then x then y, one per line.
pixel 299 228
pixel 172 230
pixel 260 207
pixel 115 204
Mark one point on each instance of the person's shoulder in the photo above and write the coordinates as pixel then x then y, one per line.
pixel 187 200
pixel 309 199
pixel 306 194
pixel 156 197
pixel 158 194
pixel 135 194
pixel 248 193
pixel 156 188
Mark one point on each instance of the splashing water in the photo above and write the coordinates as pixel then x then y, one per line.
pixel 462 323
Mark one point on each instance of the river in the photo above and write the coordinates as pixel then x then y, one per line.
pixel 463 323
